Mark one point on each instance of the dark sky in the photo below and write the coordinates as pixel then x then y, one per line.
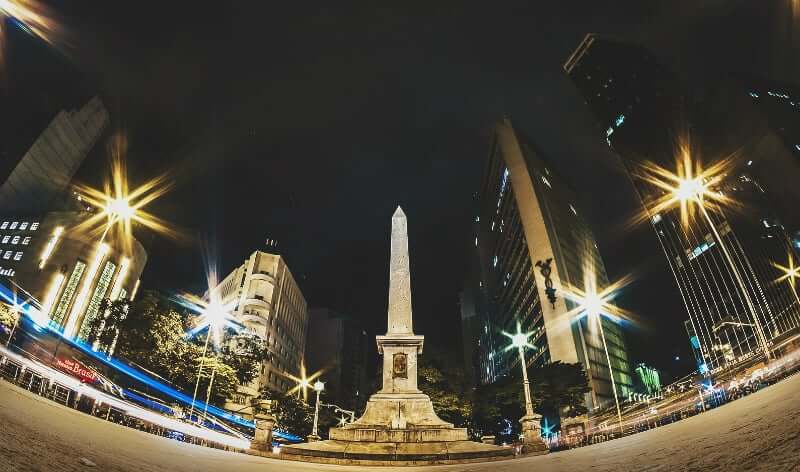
pixel 310 124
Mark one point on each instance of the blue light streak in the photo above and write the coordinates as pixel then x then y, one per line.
pixel 134 373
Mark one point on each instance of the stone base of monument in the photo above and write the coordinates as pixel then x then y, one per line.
pixel 416 437
pixel 395 453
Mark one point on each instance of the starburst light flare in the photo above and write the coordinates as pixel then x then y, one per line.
pixel 32 17
pixel 214 316
pixel 592 302
pixel 791 274
pixel 303 383
pixel 690 183
pixel 120 207
pixel 519 339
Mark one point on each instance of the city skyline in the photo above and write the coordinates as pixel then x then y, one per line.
pixel 295 199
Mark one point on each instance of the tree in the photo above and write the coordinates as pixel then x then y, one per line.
pixel 557 389
pixel 294 416
pixel 7 315
pixel 152 335
pixel 445 384
pixel 104 329
pixel 245 352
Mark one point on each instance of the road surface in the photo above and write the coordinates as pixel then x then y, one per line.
pixel 759 432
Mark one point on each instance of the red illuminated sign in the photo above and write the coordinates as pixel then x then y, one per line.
pixel 77 369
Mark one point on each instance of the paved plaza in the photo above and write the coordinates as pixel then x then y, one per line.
pixel 759 432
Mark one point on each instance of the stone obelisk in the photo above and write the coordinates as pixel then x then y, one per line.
pixel 399 425
pixel 400 406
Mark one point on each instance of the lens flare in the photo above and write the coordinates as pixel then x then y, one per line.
pixel 691 183
pixel 791 274
pixel 32 17
pixel 303 382
pixel 120 207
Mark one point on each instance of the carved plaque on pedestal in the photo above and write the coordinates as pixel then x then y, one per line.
pixel 400 366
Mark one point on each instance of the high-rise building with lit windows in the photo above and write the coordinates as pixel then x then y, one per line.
pixel 643 111
pixel 530 238
pixel 42 176
pixel 268 303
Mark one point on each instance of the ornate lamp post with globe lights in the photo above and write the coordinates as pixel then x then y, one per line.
pixel 532 442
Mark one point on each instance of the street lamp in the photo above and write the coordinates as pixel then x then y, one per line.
pixel 532 438
pixel 319 386
pixel 690 186
pixel 790 274
pixel 214 316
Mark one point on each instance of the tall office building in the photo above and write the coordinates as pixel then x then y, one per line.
pixel 43 175
pixel 339 347
pixel 643 110
pixel 779 105
pixel 532 238
pixel 268 302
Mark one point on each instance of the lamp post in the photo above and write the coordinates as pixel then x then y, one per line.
pixel 532 442
pixel 319 386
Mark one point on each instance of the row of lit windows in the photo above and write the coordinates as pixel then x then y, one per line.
pixel 21 226
pixel 15 240
pixel 17 255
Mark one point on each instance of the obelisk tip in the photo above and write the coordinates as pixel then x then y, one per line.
pixel 399 213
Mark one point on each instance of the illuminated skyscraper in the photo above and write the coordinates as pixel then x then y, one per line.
pixel 643 112
pixel 531 240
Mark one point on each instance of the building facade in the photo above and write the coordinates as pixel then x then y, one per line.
pixel 339 347
pixel 268 303
pixel 64 272
pixel 531 241
pixel 43 175
pixel 643 111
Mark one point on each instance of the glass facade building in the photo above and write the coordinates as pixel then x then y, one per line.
pixel 531 237
pixel 645 116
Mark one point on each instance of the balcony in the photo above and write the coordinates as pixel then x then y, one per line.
pixel 263 275
pixel 257 301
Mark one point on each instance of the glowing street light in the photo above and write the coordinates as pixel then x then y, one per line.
pixel 692 188
pixel 319 386
pixel 519 341
pixel 791 274
pixel 594 305
pixel 531 429
pixel 120 206
pixel 303 382
pixel 215 317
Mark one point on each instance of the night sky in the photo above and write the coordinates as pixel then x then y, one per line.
pixel 310 124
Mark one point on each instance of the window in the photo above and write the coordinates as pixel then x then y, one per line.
pixel 18 256
pixel 34 226
pixel 24 225
pixel 546 182
pixel 7 255
pixel 15 240
pixel 4 225
pixel 26 240
pixel 14 225
pixel 574 211
pixel 6 238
